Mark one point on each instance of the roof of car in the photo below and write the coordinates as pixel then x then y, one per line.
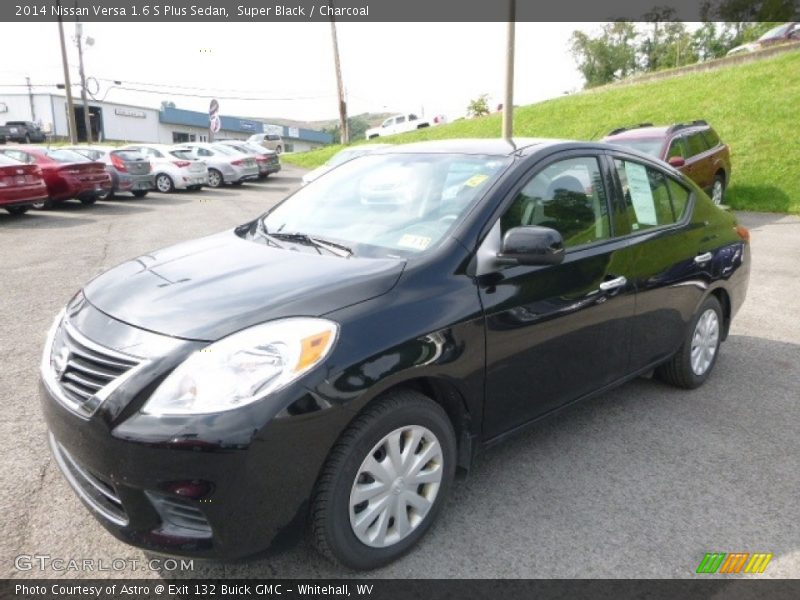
pixel 492 146
pixel 647 130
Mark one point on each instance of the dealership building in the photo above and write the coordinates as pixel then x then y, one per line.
pixel 113 122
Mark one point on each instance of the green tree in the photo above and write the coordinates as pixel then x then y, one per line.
pixel 609 56
pixel 479 106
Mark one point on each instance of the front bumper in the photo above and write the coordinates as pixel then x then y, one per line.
pixel 252 472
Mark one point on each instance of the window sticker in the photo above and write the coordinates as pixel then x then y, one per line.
pixel 641 194
pixel 417 242
pixel 476 180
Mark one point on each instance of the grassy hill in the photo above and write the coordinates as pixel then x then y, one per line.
pixel 754 107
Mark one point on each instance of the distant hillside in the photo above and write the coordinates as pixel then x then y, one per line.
pixel 753 106
pixel 373 119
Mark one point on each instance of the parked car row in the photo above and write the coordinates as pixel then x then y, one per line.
pixel 40 176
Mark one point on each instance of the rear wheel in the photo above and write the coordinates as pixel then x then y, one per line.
pixel 214 178
pixel 17 210
pixel 384 482
pixel 278 149
pixel 164 183
pixel 44 205
pixel 718 189
pixel 139 193
pixel 693 363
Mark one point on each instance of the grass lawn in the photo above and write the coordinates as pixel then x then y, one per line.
pixel 754 107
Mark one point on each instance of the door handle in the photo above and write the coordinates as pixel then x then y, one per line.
pixel 613 284
pixel 701 259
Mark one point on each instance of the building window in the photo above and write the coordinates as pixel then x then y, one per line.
pixel 288 147
pixel 181 138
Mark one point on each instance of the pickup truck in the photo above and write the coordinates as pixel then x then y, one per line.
pixel 24 131
pixel 401 124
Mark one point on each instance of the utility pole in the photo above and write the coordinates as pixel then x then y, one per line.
pixel 30 98
pixel 73 132
pixel 508 103
pixel 343 127
pixel 86 118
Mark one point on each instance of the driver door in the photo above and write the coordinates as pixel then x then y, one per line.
pixel 556 333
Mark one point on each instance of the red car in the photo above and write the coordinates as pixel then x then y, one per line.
pixel 21 185
pixel 66 173
pixel 695 149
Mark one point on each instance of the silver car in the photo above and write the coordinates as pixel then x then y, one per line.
pixel 130 170
pixel 225 164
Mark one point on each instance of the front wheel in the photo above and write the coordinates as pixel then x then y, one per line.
pixel 694 361
pixel 718 189
pixel 215 179
pixel 384 482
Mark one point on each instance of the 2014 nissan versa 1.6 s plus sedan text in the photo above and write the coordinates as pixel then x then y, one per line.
pixel 332 364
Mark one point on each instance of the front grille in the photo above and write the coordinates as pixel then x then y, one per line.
pixel 94 490
pixel 179 517
pixel 83 368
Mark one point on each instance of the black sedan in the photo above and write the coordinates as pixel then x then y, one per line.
pixel 333 363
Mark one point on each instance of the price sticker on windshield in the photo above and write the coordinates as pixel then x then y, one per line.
pixel 417 242
pixel 476 180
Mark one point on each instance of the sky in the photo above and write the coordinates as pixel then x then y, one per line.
pixel 286 70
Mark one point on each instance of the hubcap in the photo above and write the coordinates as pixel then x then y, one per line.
pixel 396 486
pixel 716 192
pixel 704 341
pixel 163 183
pixel 213 179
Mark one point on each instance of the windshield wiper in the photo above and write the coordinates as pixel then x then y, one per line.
pixel 332 247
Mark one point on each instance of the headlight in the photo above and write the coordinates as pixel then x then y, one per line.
pixel 244 367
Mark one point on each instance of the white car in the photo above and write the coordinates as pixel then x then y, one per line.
pixel 402 123
pixel 340 158
pixel 225 163
pixel 172 172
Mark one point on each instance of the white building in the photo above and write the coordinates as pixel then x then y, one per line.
pixel 111 121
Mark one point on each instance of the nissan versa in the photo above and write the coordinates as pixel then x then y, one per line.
pixel 332 364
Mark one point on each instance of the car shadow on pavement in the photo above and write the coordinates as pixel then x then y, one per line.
pixel 768 195
pixel 640 481
pixel 40 220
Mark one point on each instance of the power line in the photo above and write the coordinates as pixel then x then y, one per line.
pixel 192 87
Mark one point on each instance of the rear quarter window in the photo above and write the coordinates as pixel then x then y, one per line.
pixel 711 137
pixel 696 143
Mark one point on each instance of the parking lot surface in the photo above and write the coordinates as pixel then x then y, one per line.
pixel 640 482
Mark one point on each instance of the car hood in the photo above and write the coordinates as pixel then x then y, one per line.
pixel 208 288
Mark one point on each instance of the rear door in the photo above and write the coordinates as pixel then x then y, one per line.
pixel 699 163
pixel 556 333
pixel 670 256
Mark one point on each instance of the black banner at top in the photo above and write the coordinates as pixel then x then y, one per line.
pixel 397 10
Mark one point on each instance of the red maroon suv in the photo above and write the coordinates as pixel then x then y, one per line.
pixel 693 148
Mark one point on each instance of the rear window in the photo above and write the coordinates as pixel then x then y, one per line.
pixel 651 198
pixel 7 161
pixel 66 156
pixel 651 146
pixel 226 150
pixel 182 154
pixel 712 139
pixel 272 137
pixel 128 154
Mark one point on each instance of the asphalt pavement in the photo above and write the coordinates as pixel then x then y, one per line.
pixel 640 482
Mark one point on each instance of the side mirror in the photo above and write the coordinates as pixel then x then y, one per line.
pixel 676 161
pixel 532 245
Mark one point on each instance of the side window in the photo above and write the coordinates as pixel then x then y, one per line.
pixel 20 156
pixel 680 198
pixel 567 196
pixel 204 152
pixel 646 195
pixel 696 144
pixel 412 117
pixel 401 119
pixel 676 148
pixel 712 139
pixel 388 123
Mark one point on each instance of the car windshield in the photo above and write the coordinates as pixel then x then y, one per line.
pixel 775 32
pixel 388 205
pixel 651 146
pixel 346 155
pixel 66 156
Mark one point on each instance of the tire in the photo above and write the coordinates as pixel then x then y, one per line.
pixel 17 210
pixel 397 415
pixel 718 189
pixel 194 188
pixel 27 139
pixel 164 183
pixel 215 178
pixel 108 195
pixel 682 369
pixel 278 149
pixel 88 201
pixel 44 205
pixel 139 193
